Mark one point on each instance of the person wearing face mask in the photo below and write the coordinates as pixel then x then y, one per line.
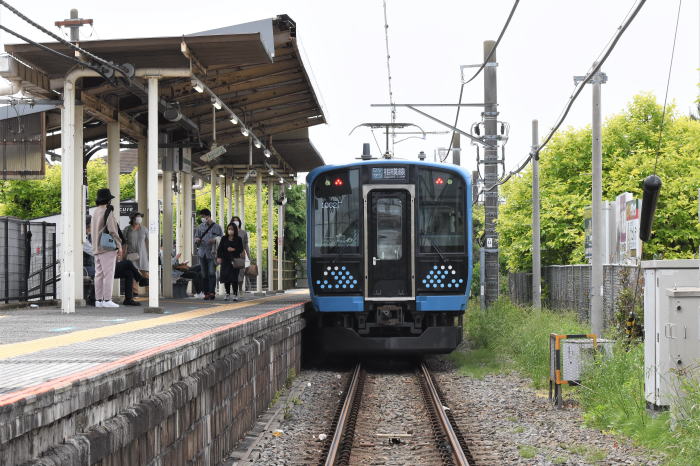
pixel 236 220
pixel 137 245
pixel 205 239
pixel 228 255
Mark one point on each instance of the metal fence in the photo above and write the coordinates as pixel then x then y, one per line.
pixel 567 287
pixel 28 266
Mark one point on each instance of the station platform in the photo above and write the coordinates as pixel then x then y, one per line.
pixel 65 375
pixel 41 345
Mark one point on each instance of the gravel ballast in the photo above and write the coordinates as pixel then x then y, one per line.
pixel 506 417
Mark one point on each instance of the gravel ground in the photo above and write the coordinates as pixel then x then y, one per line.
pixel 306 414
pixel 503 418
pixel 523 427
pixel 393 426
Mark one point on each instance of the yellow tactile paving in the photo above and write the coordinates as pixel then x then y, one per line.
pixel 31 346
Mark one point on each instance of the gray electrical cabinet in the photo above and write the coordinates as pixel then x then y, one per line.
pixel 671 327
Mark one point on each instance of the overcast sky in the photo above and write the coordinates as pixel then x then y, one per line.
pixel 548 42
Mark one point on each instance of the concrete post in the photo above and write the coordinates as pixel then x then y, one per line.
pixel 234 195
pixel 597 215
pixel 178 215
pixel 69 198
pixel 280 242
pixel 187 226
pixel 222 202
pixel 142 179
pixel 258 231
pixel 536 261
pixel 213 182
pixel 79 206
pixel 229 198
pixel 152 185
pixel 167 234
pixel 242 215
pixel 113 172
pixel 270 236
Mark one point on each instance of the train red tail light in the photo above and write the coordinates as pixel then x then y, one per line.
pixel 439 180
pixel 338 182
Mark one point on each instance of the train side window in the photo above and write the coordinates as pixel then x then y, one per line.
pixel 441 212
pixel 336 214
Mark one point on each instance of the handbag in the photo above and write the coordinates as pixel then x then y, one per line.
pixel 107 242
pixel 252 270
pixel 238 262
pixel 133 256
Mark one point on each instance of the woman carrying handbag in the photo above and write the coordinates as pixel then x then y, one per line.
pixel 229 256
pixel 137 245
pixel 106 246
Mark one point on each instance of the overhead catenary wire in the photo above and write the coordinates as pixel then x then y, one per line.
pixel 567 107
pixel 55 52
pixel 478 71
pixel 94 57
pixel 668 82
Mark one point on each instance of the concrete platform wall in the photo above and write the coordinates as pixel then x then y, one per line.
pixel 189 404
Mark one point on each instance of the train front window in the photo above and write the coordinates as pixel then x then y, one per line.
pixel 441 212
pixel 337 213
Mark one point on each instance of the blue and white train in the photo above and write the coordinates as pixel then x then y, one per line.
pixel 389 248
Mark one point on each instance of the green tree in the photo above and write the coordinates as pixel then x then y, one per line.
pixel 629 155
pixel 39 198
pixel 295 223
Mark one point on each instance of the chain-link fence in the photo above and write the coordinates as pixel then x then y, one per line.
pixel 568 287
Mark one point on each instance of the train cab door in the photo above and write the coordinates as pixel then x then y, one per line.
pixel 389 227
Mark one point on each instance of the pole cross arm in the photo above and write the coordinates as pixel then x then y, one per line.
pixel 437 120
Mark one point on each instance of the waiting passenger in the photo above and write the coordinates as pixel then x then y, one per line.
pixel 205 240
pixel 229 256
pixel 107 245
pixel 137 244
pixel 243 234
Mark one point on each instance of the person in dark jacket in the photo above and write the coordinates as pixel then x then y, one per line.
pixel 230 248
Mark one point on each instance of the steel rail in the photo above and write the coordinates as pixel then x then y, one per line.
pixel 452 438
pixel 343 418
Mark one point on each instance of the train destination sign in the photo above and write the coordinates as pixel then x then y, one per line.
pixel 389 173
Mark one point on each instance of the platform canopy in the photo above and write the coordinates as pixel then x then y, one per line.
pixel 256 69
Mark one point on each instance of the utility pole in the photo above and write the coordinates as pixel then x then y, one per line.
pixel 74 23
pixel 489 267
pixel 597 224
pixel 536 260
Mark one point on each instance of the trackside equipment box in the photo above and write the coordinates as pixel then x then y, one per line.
pixel 569 356
pixel 671 328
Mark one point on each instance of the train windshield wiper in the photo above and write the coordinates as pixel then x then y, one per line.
pixel 432 244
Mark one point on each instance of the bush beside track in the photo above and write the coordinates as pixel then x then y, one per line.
pixel 507 337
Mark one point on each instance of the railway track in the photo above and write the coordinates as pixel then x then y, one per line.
pixel 395 419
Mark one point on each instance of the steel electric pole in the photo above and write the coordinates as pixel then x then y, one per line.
pixel 536 260
pixel 490 119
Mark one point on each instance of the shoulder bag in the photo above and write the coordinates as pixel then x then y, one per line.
pixel 107 242
pixel 238 262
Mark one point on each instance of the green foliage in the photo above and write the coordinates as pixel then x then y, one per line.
pixel 294 218
pixel 518 334
pixel 295 223
pixel 39 198
pixel 612 392
pixel 629 148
